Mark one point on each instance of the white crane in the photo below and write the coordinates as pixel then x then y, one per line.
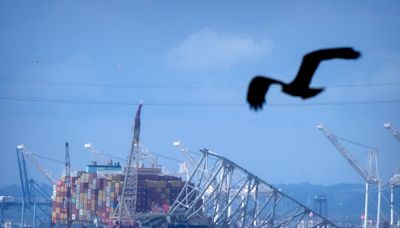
pixel 187 166
pixel 370 176
pixel 392 130
pixel 99 156
pixel 45 172
pixel 189 158
pixel 395 180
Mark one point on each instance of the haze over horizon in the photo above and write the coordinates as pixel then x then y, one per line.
pixel 76 71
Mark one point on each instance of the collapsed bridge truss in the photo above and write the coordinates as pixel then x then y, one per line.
pixel 220 193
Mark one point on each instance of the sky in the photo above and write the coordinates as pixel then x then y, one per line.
pixel 76 70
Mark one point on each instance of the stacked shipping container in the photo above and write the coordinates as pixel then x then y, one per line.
pixel 94 198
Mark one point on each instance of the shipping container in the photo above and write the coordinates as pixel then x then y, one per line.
pixel 96 197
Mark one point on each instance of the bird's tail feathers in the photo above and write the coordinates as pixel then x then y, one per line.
pixel 258 88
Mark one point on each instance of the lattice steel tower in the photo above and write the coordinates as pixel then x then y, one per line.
pixel 126 208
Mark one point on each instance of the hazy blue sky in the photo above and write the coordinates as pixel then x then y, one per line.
pixel 190 62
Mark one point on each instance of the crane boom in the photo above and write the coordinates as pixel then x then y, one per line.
pixel 370 177
pixel 189 158
pixel 349 158
pixel 99 156
pixel 187 166
pixel 45 172
pixel 392 130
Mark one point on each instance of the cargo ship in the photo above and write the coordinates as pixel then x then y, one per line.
pixel 91 197
pixel 95 192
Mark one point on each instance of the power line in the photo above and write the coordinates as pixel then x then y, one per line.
pixel 185 87
pixel 364 85
pixel 205 104
pixel 137 86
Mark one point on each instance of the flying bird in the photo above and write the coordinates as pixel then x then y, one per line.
pixel 300 86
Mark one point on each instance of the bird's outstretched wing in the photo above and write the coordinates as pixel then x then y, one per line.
pixel 257 89
pixel 311 61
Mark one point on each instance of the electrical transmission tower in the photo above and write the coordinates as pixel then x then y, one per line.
pixel 126 208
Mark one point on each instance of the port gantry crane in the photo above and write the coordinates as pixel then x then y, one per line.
pixel 126 208
pixel 370 176
pixel 394 182
pixel 30 188
pixel 189 158
pixel 99 156
pixel 187 166
pixel 44 171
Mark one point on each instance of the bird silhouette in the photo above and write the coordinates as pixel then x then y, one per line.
pixel 300 86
